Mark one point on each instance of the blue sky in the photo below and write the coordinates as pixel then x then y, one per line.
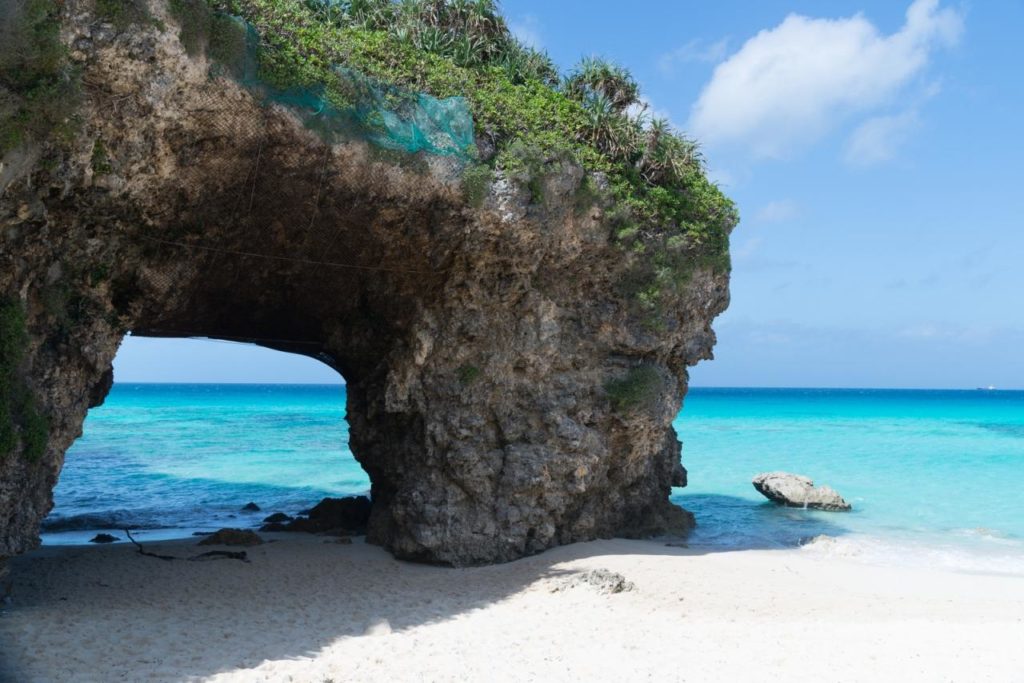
pixel 874 149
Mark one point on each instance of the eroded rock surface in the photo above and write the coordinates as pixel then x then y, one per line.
pixel 478 342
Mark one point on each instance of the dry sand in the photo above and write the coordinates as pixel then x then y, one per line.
pixel 306 610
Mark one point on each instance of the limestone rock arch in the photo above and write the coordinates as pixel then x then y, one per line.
pixel 480 343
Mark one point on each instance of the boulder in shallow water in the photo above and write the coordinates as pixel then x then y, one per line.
pixel 243 537
pixel 350 515
pixel 277 518
pixel 250 507
pixel 794 490
pixel 104 538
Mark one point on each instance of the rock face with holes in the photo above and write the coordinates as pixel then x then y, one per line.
pixel 479 343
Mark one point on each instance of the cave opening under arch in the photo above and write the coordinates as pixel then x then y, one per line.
pixel 196 431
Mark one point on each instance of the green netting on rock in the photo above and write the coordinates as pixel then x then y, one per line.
pixel 357 106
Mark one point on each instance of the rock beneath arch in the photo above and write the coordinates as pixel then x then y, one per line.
pixel 104 538
pixel 349 515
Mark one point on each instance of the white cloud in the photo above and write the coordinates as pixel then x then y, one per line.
pixel 778 211
pixel 877 139
pixel 693 51
pixel 789 85
pixel 527 31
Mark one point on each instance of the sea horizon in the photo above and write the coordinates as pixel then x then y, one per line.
pixel 170 459
pixel 691 386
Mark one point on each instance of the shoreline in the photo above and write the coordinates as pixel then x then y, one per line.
pixel 966 553
pixel 315 610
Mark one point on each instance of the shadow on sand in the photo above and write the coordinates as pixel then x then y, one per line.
pixel 107 613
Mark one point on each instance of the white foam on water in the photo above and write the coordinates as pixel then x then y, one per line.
pixel 976 551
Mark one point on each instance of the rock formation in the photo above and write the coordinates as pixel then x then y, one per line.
pixel 794 490
pixel 506 393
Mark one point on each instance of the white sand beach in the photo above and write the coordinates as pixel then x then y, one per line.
pixel 309 609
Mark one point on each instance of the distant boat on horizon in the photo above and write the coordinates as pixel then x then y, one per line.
pixel 988 388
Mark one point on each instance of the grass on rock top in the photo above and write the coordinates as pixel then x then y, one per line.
pixel 657 178
pixel 667 216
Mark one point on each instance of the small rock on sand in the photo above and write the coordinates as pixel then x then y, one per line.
pixel 602 580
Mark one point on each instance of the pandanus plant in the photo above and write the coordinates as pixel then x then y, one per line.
pixel 596 76
pixel 610 129
pixel 666 153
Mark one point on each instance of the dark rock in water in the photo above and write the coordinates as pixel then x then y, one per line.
pixel 794 490
pixel 250 507
pixel 202 533
pixel 243 537
pixel 104 538
pixel 277 518
pixel 337 514
pixel 350 513
pixel 340 515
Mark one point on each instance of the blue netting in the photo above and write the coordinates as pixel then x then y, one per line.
pixel 380 113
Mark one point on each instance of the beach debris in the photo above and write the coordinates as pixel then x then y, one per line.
pixel 210 555
pixel 243 537
pixel 104 538
pixel 250 507
pixel 143 551
pixel 602 580
pixel 794 490
pixel 347 515
pixel 221 555
pixel 277 518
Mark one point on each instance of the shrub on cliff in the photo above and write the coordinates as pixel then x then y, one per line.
pixel 669 219
pixel 672 217
pixel 38 90
pixel 21 421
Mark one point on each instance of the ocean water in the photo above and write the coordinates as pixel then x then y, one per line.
pixel 935 477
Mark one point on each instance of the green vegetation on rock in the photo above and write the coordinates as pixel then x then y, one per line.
pixel 670 218
pixel 468 374
pixel 407 73
pixel 123 13
pixel 38 90
pixel 20 417
pixel 640 386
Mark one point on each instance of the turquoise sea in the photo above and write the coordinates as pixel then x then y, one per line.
pixel 935 477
